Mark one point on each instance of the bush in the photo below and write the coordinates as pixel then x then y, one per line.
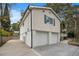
pixel 5 33
pixel 71 35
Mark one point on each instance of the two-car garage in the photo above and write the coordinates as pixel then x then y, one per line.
pixel 45 38
pixel 43 24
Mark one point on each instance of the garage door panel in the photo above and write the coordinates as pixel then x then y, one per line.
pixel 41 38
pixel 54 38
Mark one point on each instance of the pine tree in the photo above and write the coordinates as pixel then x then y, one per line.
pixel 6 20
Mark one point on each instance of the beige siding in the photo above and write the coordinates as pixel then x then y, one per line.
pixel 38 21
pixel 39 28
pixel 26 30
pixel 39 25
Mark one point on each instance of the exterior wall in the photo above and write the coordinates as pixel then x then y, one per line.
pixel 34 39
pixel 21 32
pixel 38 21
pixel 25 31
pixel 39 25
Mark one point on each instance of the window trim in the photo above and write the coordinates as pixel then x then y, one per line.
pixel 47 20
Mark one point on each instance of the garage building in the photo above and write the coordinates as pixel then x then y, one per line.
pixel 40 26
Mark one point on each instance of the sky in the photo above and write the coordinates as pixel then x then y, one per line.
pixel 21 7
pixel 74 4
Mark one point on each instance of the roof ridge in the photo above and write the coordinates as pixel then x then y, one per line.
pixel 39 7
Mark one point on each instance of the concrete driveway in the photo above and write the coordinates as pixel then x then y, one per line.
pixel 60 49
pixel 16 47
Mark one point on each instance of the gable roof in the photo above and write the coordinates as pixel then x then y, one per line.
pixel 38 7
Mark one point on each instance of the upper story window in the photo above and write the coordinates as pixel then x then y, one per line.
pixel 49 20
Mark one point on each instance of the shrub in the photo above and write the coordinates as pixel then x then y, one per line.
pixel 5 33
pixel 71 34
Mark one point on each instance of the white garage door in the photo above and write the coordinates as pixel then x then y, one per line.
pixel 54 38
pixel 41 38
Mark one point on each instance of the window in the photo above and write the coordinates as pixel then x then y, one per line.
pixel 48 20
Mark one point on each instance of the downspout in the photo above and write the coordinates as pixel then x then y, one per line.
pixel 31 30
